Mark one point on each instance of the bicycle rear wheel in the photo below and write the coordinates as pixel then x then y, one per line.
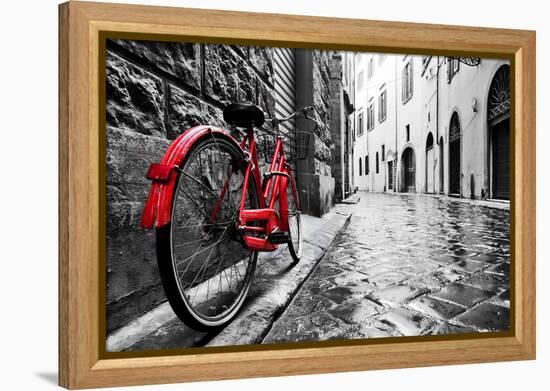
pixel 205 270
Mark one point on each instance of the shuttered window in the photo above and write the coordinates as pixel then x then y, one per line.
pixel 407 82
pixel 284 80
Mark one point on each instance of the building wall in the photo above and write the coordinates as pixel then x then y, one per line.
pixel 315 181
pixel 361 140
pixel 384 131
pixel 155 91
pixel 457 96
pixel 427 112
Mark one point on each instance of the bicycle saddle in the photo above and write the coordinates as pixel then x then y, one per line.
pixel 244 115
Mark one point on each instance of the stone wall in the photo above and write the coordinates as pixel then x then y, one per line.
pixel 315 181
pixel 157 90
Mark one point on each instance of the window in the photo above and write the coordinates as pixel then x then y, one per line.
pixel 452 68
pixel 360 167
pixel 360 125
pixel 408 132
pixel 370 69
pixel 377 166
pixel 360 81
pixel 370 117
pixel 407 82
pixel 383 151
pixel 382 107
pixel 367 165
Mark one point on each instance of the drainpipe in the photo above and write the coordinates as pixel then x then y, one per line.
pixel 396 153
pixel 437 102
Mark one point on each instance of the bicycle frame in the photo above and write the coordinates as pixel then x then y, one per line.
pixel 273 189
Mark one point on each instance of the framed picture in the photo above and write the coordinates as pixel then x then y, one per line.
pixel 247 195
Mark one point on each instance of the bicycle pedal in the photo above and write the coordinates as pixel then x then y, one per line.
pixel 278 237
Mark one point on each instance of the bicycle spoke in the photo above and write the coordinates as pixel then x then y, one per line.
pixel 206 188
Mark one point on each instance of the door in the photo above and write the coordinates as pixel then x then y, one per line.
pixel 500 134
pixel 408 171
pixel 454 155
pixel 498 117
pixel 390 175
pixel 430 170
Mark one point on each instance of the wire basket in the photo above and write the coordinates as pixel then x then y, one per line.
pixel 295 144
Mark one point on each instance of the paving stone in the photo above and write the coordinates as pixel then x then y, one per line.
pixel 356 310
pixel 445 259
pixel 362 331
pixel 489 282
pixel 438 278
pixel 382 280
pixel 502 269
pixel 486 258
pixel 468 266
pixel 346 277
pixel 405 321
pixel 502 299
pixel 353 289
pixel 436 308
pixel 396 294
pixel 487 317
pixel 462 294
pixel 447 328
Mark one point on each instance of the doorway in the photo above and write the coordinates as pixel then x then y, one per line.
pixel 408 170
pixel 454 155
pixel 430 172
pixel 498 117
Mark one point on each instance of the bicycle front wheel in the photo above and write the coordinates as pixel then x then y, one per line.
pixel 294 221
pixel 205 270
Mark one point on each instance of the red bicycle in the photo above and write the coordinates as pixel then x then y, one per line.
pixel 213 214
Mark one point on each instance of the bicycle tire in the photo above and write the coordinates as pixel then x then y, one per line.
pixel 166 257
pixel 295 246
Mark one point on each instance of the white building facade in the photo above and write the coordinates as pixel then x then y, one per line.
pixel 430 124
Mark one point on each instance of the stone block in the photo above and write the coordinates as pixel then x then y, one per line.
pixel 487 317
pixel 261 59
pixel 135 98
pixel 180 59
pixel 464 295
pixel 436 308
pixel 405 321
pixel 186 110
pixel 221 81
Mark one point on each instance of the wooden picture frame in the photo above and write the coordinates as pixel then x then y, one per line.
pixel 81 364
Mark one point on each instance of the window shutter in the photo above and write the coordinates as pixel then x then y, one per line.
pixel 411 75
pixel 403 83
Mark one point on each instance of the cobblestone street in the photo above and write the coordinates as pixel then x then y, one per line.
pixel 406 265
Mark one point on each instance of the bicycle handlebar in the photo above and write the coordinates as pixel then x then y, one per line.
pixel 303 111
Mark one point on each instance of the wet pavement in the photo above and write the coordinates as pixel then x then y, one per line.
pixel 406 265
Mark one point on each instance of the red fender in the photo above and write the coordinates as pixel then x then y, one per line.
pixel 157 210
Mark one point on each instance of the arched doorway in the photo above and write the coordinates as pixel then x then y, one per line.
pixel 430 169
pixel 454 155
pixel 498 118
pixel 408 171
pixel 441 168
